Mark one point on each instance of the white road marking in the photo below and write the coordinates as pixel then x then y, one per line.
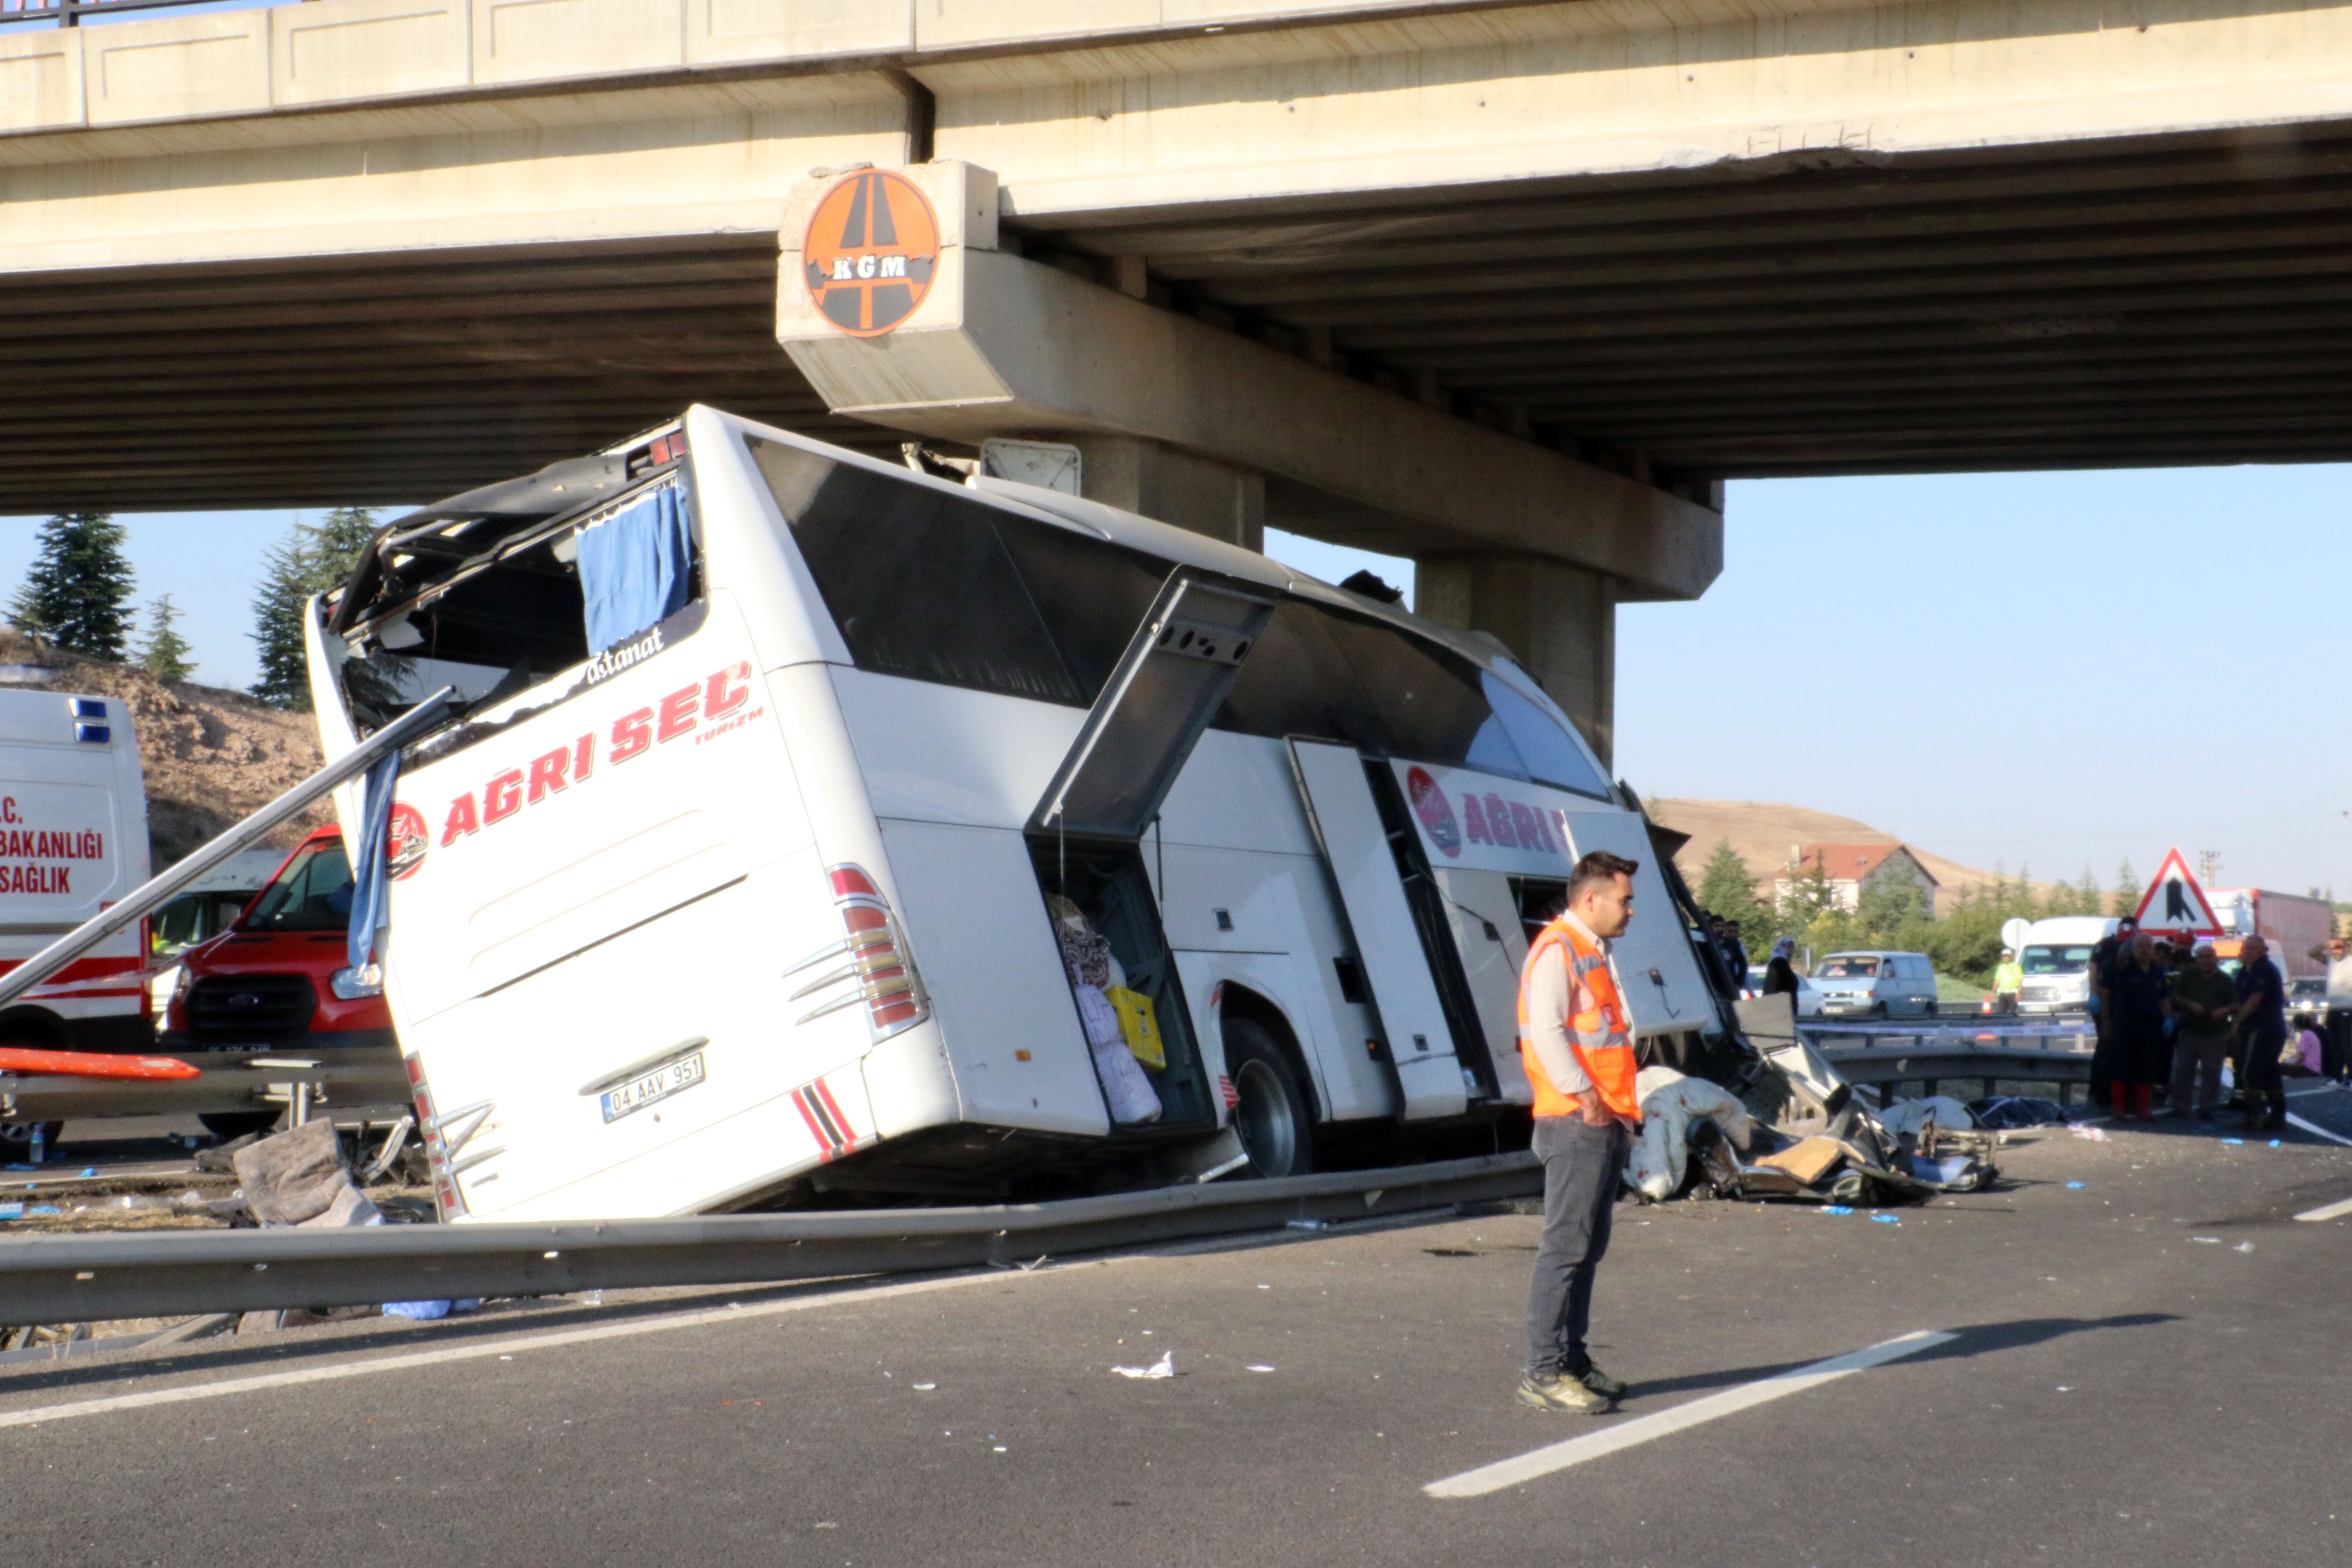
pixel 2328 1211
pixel 503 1348
pixel 2311 1127
pixel 1649 1429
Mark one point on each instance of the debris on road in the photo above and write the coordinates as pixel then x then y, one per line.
pixel 298 1177
pixel 1915 1116
pixel 1164 1367
pixel 1671 1103
pixel 2012 1111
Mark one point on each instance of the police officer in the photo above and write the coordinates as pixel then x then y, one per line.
pixel 2007 981
pixel 1579 1054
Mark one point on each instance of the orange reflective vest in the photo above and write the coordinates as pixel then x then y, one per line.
pixel 1597 1032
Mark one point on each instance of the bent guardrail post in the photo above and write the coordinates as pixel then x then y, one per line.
pixel 160 890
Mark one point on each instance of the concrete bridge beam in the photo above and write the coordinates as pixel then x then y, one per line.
pixel 1005 346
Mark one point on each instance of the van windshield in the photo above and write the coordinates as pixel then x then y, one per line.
pixel 313 893
pixel 2067 960
pixel 1849 969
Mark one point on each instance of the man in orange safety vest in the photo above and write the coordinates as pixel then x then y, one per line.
pixel 1579 1055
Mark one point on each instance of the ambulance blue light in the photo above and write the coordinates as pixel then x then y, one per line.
pixel 90 708
pixel 97 735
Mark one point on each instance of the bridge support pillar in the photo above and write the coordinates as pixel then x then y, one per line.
pixel 1138 474
pixel 1560 620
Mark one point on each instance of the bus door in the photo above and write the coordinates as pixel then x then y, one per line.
pixel 1412 970
pixel 1086 835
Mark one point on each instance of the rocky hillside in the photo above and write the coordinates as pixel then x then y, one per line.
pixel 212 757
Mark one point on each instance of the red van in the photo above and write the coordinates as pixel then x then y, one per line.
pixel 266 982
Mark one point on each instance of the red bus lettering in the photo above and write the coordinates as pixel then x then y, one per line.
pixel 632 734
pixel 718 698
pixel 677 713
pixel 503 796
pixel 462 820
pixel 547 773
pixel 584 758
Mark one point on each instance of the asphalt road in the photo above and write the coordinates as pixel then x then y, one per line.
pixel 2120 1390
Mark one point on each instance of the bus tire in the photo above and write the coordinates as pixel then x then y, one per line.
pixel 1270 1114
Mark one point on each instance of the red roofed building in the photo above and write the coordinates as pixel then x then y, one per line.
pixel 1849 866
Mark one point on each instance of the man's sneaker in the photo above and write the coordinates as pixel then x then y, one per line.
pixel 1602 1383
pixel 1552 1392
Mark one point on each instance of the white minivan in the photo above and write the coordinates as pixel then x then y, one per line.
pixel 820 832
pixel 2056 959
pixel 1877 985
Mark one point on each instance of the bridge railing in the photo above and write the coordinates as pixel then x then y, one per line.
pixel 69 13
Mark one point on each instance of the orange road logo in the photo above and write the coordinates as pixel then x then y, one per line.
pixel 871 250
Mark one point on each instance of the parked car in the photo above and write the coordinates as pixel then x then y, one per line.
pixel 1809 1001
pixel 1878 984
pixel 265 981
pixel 2308 1005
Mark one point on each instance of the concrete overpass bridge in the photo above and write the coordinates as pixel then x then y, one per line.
pixel 1508 289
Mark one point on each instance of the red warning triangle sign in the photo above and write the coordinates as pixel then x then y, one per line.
pixel 2175 903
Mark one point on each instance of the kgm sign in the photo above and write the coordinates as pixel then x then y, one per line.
pixel 871 250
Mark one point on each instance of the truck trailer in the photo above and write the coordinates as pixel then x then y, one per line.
pixel 2290 923
pixel 815 830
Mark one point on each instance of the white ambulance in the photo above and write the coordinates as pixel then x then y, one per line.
pixel 73 838
pixel 822 832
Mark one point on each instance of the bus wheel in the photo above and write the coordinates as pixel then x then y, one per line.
pixel 1270 1115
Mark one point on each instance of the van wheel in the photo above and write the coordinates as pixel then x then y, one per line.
pixel 17 1139
pixel 1270 1117
pixel 1930 1012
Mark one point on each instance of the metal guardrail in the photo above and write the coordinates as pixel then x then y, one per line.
pixel 1879 1055
pixel 80 1278
pixel 346 1077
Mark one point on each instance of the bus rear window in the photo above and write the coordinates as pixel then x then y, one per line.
pixel 923 581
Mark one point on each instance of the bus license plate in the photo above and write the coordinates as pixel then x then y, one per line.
pixel 670 1078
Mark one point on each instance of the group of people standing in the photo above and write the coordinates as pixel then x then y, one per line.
pixel 2143 983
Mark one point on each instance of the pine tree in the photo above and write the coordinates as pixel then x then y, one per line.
pixel 1725 885
pixel 2126 891
pixel 277 621
pixel 75 595
pixel 312 559
pixel 336 545
pixel 164 653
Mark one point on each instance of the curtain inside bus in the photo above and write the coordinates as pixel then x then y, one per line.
pixel 635 568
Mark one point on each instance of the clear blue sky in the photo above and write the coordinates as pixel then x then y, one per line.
pixel 2036 669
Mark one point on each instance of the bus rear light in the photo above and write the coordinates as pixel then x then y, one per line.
pixel 872 954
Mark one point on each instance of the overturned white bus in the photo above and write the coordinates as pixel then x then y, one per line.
pixel 819 831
